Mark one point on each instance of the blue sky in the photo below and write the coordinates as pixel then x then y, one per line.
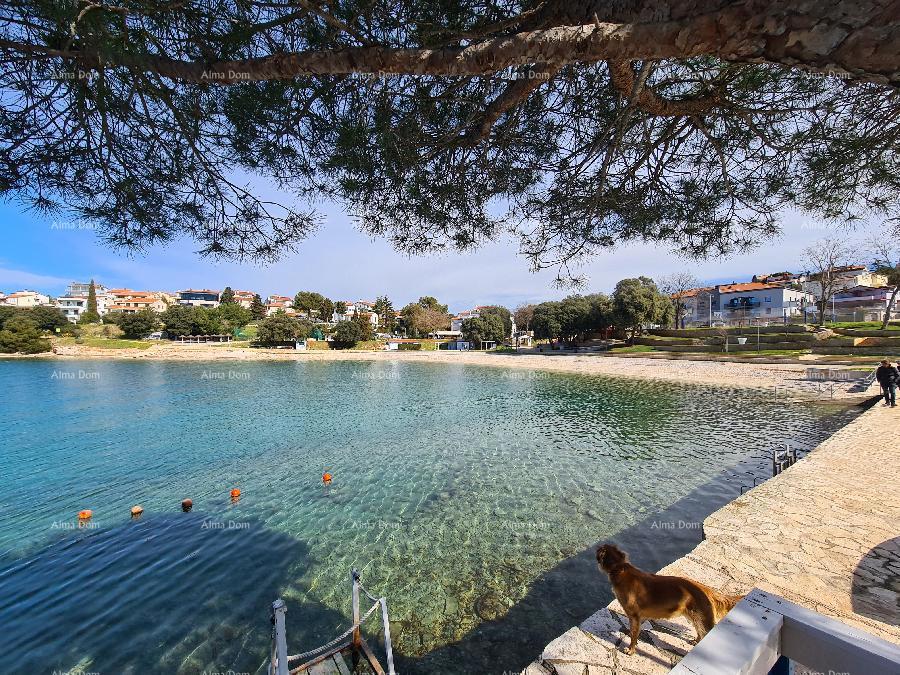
pixel 344 264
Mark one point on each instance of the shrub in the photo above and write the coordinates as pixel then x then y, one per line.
pixel 20 335
pixel 280 328
pixel 409 346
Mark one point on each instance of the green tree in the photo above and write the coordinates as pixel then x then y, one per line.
pixel 139 324
pixel 232 315
pixel 545 322
pixel 429 302
pixel 307 301
pixel 348 333
pixel 523 316
pixel 90 315
pixel 326 310
pixel 280 328
pixel 49 318
pixel 424 317
pixel 485 328
pixel 690 123
pixel 501 313
pixel 21 335
pixel 637 303
pixel 186 320
pixel 227 296
pixel 340 307
pixel 257 308
pixel 384 308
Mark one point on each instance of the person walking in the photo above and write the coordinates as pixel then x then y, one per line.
pixel 888 377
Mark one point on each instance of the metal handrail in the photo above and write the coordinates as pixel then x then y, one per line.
pixel 279 658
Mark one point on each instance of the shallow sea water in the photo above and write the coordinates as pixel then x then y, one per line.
pixel 471 497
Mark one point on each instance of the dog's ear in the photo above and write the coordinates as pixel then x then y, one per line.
pixel 618 554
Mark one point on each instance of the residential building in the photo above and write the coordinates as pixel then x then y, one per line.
pixel 846 277
pixel 363 307
pixel 701 306
pixel 26 299
pixel 756 301
pixel 784 278
pixel 72 307
pixel 280 306
pixel 138 303
pixel 863 303
pixel 198 298
pixel 80 289
pixel 2 297
pixel 244 298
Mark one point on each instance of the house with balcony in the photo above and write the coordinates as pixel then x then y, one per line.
pixel 72 307
pixel 80 289
pixel 138 303
pixel 757 302
pixel 864 303
pixel 198 298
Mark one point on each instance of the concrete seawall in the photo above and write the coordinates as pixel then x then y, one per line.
pixel 825 534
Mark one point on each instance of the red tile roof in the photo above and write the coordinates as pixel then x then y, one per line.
pixel 743 288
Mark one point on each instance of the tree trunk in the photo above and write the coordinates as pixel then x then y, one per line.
pixel 887 312
pixel 859 40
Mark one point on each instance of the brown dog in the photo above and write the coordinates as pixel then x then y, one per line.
pixel 652 596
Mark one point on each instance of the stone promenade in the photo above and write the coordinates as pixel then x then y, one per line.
pixel 824 534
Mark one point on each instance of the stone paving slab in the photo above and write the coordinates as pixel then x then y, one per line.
pixel 824 534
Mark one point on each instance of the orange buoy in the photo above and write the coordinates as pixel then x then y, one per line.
pixel 87 514
pixel 136 510
pixel 235 493
pixel 187 505
pixel 326 478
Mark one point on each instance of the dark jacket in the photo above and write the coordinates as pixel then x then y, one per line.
pixel 887 375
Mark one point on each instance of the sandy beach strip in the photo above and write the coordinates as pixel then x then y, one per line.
pixel 731 374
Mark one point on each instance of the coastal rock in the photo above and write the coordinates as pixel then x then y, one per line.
pixel 489 607
pixel 577 646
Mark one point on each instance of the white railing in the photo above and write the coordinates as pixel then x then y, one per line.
pixel 764 627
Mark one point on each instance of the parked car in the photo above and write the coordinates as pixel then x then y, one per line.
pixel 155 336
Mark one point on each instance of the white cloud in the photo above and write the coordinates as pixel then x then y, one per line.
pixel 14 280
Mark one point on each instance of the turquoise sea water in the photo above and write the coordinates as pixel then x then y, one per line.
pixel 469 496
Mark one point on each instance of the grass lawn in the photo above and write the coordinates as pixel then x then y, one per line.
pixel 634 349
pixel 105 343
pixel 772 352
pixel 867 325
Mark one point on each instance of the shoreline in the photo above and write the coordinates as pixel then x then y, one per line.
pixel 715 373
pixel 828 549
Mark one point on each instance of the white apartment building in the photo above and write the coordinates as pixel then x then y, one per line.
pixel 353 308
pixel 73 308
pixel 740 303
pixel 198 298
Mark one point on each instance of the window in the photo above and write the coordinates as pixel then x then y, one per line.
pixel 768 298
pixel 768 310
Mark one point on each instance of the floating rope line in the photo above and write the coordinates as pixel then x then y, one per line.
pixel 340 637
